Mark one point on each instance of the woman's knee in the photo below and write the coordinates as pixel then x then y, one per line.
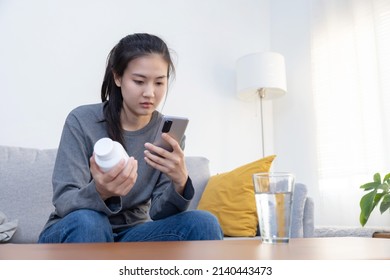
pixel 88 221
pixel 87 218
pixel 79 226
pixel 205 224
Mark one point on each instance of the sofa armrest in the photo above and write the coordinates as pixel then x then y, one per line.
pixel 26 189
pixel 199 172
pixel 302 221
pixel 308 218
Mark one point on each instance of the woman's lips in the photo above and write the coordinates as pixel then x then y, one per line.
pixel 146 105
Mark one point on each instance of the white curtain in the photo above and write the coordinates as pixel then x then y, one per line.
pixel 350 60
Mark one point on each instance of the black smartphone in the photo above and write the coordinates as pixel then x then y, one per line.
pixel 174 126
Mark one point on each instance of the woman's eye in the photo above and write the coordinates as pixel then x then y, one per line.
pixel 138 82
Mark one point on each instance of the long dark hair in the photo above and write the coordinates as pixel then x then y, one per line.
pixel 128 48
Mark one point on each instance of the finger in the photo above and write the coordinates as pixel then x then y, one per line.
pixel 164 165
pixel 131 169
pixel 92 164
pixel 151 160
pixel 172 141
pixel 132 178
pixel 125 172
pixel 162 159
pixel 135 167
pixel 98 177
pixel 155 151
pixel 115 171
pixel 94 168
pixel 129 177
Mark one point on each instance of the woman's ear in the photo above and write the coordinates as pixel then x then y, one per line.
pixel 117 79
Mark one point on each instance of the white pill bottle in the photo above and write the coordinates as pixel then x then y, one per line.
pixel 108 153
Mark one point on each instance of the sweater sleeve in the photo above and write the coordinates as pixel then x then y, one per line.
pixel 73 185
pixel 166 201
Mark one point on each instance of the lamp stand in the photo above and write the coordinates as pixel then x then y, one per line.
pixel 261 93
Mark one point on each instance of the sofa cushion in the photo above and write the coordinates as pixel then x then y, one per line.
pixel 230 197
pixel 26 189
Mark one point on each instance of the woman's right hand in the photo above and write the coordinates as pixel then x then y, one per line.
pixel 116 182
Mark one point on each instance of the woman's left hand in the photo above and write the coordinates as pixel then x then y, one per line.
pixel 170 163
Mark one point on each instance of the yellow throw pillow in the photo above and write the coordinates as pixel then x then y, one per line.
pixel 230 197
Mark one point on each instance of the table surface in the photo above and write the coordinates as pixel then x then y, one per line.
pixel 335 248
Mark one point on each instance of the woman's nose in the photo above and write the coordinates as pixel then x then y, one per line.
pixel 149 91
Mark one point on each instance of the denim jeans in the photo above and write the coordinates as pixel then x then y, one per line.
pixel 91 226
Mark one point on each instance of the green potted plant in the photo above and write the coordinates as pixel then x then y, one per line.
pixel 378 194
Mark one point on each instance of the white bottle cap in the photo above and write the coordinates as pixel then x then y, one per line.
pixel 108 153
pixel 104 149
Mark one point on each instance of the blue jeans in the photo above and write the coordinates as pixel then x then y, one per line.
pixel 91 226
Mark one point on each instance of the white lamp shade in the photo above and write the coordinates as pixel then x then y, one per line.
pixel 265 70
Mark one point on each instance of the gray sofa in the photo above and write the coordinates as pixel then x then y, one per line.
pixel 26 192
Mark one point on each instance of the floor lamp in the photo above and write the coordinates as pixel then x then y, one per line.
pixel 261 76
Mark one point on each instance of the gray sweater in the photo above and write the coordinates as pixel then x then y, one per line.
pixel 153 195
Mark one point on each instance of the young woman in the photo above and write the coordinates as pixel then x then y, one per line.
pixel 144 199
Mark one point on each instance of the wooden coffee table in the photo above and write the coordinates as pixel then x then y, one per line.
pixel 381 234
pixel 351 248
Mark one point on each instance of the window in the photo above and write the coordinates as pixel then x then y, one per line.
pixel 350 60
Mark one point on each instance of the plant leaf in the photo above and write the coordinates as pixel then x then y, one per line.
pixel 366 206
pixel 385 187
pixel 385 203
pixel 370 186
pixel 377 198
pixel 363 219
pixel 387 177
pixel 377 177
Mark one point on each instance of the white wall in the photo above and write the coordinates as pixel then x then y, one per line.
pixel 294 123
pixel 53 54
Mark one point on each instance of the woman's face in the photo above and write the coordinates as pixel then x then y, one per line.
pixel 143 84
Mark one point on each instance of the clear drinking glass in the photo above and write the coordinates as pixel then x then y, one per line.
pixel 273 194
